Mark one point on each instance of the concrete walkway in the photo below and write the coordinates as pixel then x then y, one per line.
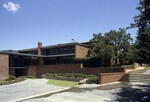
pixel 26 88
pixel 147 71
pixel 94 93
pixel 136 69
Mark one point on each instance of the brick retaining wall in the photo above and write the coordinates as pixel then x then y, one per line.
pixel 110 77
pixel 69 68
pixel 103 70
pixel 64 68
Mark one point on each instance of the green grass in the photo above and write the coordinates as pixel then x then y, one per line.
pixel 62 83
pixel 127 65
pixel 147 67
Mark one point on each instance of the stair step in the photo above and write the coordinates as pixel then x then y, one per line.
pixel 138 81
pixel 134 78
pixel 138 75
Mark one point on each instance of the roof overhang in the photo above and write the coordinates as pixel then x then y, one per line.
pixel 33 55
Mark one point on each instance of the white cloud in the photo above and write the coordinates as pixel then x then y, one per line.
pixel 10 6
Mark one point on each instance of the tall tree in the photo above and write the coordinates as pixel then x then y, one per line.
pixel 142 22
pixel 114 45
pixel 121 42
pixel 99 48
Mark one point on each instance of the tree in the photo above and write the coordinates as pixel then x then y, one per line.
pixel 100 49
pixel 129 55
pixel 142 22
pixel 121 42
pixel 112 46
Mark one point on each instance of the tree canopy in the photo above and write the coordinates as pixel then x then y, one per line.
pixel 111 46
pixel 142 22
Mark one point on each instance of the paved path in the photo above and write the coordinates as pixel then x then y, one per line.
pixel 95 93
pixel 147 71
pixel 82 93
pixel 26 88
pixel 134 70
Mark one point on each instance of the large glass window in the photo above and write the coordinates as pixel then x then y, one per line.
pixel 19 61
pixel 59 60
pixel 59 50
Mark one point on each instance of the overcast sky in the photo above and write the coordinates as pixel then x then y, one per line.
pixel 23 23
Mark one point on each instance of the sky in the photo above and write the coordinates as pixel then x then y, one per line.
pixel 24 23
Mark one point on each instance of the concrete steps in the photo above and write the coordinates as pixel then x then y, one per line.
pixel 136 78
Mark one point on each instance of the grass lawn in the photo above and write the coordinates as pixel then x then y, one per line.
pixel 62 83
pixel 147 67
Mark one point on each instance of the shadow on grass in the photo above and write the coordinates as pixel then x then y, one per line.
pixel 136 93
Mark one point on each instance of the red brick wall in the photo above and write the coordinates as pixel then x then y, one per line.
pixel 103 70
pixel 106 75
pixel 31 70
pixel 4 66
pixel 110 77
pixel 68 68
pixel 81 51
pixel 43 69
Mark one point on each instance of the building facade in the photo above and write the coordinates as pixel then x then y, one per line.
pixel 18 62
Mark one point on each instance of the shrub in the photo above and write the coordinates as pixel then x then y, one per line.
pixel 30 77
pixel 91 75
pixel 92 80
pixel 22 78
pixel 67 75
pixel 11 77
pixel 73 76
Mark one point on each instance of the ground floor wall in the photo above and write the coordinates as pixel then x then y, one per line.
pixel 12 71
pixel 106 75
pixel 39 70
pixel 4 66
pixel 18 71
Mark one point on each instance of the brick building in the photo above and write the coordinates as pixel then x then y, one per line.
pixel 18 62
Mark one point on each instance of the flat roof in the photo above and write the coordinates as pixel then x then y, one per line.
pixel 54 46
pixel 17 53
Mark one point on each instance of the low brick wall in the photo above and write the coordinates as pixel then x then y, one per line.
pixel 110 77
pixel 64 68
pixel 39 70
pixel 4 66
pixel 103 70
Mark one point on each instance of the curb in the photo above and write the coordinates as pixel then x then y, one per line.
pixel 46 93
pixel 117 82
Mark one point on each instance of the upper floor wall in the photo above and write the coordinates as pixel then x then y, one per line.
pixel 59 50
pixel 81 51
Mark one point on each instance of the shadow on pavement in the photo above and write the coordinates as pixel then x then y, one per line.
pixel 136 93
